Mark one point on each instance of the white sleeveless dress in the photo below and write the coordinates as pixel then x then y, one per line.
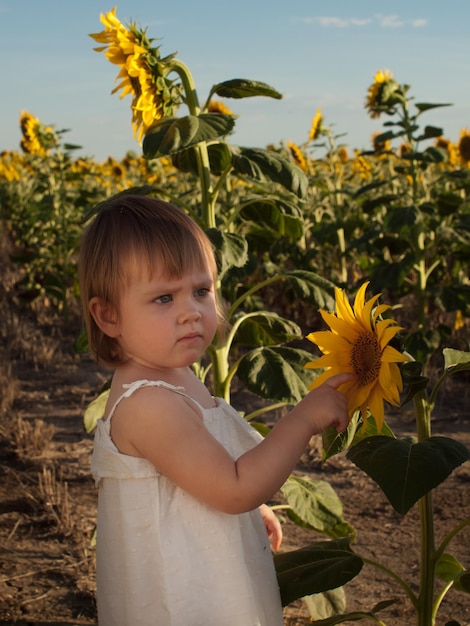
pixel 165 558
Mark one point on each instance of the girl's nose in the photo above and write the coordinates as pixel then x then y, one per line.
pixel 190 313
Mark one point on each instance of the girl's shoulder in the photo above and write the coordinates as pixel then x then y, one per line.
pixel 128 390
pixel 144 411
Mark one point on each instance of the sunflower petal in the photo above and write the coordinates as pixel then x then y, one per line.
pixel 385 334
pixel 343 308
pixel 390 355
pixel 365 313
pixel 328 342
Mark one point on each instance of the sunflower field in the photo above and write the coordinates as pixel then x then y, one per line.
pixel 294 226
pixel 397 215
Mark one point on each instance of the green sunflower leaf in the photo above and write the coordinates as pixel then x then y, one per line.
pixel 231 249
pixel 456 360
pixel 326 604
pixel 425 106
pixel 172 134
pixel 220 157
pixel 244 88
pixel 407 471
pixel 281 216
pixel 314 504
pixel 449 570
pixel 430 132
pixel 266 328
pixel 267 166
pixel 312 288
pixel 334 442
pixel 95 411
pixel 276 373
pixel 314 569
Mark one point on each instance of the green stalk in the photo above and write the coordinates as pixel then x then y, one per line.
pixel 251 291
pixel 265 409
pixel 342 249
pixel 202 156
pixel 426 616
pixel 396 577
pixel 220 370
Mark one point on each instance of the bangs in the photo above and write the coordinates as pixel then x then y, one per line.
pixel 170 256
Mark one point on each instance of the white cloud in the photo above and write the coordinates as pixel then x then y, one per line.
pixel 390 21
pixel 418 23
pixel 385 21
pixel 393 21
pixel 335 22
pixel 355 21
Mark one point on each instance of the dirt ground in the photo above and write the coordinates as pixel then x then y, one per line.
pixel 48 500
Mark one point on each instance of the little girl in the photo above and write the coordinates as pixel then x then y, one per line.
pixel 182 532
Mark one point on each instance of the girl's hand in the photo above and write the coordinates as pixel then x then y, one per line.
pixel 325 406
pixel 273 526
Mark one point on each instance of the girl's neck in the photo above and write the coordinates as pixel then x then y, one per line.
pixel 132 371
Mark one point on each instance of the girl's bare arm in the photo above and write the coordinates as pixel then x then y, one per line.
pixel 166 429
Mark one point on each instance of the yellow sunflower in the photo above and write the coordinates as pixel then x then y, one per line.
pixel 361 166
pixel 37 139
pixel 380 146
pixel 343 154
pixel 358 343
pixel 297 156
pixel 143 73
pixel 30 143
pixel 10 166
pixel 450 149
pixel 380 92
pixel 464 146
pixel 317 126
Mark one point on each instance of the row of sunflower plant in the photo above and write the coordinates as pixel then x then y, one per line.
pixel 45 194
pixel 281 221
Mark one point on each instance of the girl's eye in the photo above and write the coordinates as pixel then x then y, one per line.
pixel 164 299
pixel 203 291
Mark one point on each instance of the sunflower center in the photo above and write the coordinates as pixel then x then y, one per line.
pixel 366 356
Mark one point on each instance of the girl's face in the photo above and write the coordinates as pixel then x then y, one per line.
pixel 167 323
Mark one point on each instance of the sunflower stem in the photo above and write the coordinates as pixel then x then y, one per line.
pixel 426 615
pixel 202 155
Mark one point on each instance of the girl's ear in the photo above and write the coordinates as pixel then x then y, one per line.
pixel 105 316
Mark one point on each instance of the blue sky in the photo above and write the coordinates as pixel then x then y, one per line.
pixel 317 54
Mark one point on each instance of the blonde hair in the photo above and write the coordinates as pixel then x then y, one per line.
pixel 131 230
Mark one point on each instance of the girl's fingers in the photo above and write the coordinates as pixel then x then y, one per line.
pixel 339 379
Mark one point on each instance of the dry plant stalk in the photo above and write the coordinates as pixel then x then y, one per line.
pixel 9 388
pixel 31 437
pixel 55 496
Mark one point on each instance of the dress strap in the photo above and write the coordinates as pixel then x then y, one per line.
pixel 138 384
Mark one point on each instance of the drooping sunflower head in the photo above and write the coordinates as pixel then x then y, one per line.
pixel 37 138
pixel 464 146
pixel 404 149
pixel 297 155
pixel 343 154
pixel 358 342
pixel 450 150
pixel 379 145
pixel 383 94
pixel 316 128
pixel 143 72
